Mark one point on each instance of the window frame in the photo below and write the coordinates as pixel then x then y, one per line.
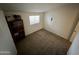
pixel 33 20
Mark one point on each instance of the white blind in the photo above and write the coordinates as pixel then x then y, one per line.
pixel 34 19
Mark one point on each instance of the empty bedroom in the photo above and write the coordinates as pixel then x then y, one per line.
pixel 39 28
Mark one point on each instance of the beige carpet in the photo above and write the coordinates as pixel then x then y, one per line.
pixel 43 42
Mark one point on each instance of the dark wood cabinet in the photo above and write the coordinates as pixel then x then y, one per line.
pixel 15 24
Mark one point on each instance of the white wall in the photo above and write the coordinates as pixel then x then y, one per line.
pixel 25 16
pixel 62 23
pixel 6 42
pixel 74 49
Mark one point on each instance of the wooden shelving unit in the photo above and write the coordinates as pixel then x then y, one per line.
pixel 16 27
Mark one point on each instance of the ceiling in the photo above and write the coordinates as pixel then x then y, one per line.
pixel 31 7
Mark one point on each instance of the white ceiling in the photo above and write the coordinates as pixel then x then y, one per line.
pixel 31 7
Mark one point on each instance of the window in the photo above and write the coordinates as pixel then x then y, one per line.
pixel 34 19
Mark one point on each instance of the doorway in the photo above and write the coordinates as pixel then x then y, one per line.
pixel 76 30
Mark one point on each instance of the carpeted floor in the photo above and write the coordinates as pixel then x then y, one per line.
pixel 43 42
